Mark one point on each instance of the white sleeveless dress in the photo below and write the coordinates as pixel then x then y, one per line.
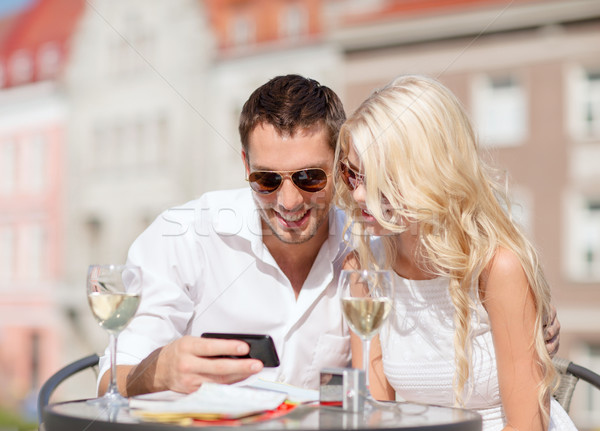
pixel 418 354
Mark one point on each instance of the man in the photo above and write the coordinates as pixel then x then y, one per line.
pixel 264 259
pixel 247 261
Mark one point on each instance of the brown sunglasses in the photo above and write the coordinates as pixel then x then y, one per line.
pixel 350 177
pixel 308 180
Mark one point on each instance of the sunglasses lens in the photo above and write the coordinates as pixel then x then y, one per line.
pixel 264 182
pixel 310 180
pixel 348 175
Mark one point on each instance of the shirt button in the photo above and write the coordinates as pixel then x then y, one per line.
pixel 282 378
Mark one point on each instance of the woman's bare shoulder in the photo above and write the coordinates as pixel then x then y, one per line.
pixel 504 271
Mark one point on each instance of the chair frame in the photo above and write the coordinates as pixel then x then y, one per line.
pixel 570 374
pixel 57 378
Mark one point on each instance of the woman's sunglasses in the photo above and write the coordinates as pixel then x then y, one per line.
pixel 308 180
pixel 350 177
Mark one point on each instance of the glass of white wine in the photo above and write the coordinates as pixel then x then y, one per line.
pixel 366 303
pixel 114 293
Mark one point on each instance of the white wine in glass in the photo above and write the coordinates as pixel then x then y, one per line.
pixel 366 303
pixel 366 315
pixel 113 311
pixel 114 293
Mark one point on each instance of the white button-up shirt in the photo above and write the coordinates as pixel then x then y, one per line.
pixel 206 269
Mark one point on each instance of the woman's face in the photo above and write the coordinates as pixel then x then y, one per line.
pixel 359 194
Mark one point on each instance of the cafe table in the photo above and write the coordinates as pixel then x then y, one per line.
pixel 389 416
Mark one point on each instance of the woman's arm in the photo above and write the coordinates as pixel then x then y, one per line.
pixel 379 386
pixel 510 305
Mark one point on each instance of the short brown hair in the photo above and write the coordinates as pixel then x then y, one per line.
pixel 290 103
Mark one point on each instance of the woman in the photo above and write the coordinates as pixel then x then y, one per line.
pixel 471 297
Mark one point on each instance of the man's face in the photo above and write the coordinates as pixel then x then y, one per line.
pixel 294 216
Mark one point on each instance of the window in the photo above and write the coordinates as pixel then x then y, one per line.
pixel 521 201
pixel 7 253
pixel 32 166
pixel 126 145
pixel 583 252
pixel 99 143
pixel 584 98
pixel 36 238
pixel 129 147
pixel 585 406
pixel 592 104
pixel 153 141
pixel 48 60
pixel 147 143
pixel 94 229
pixel 243 31
pixel 21 65
pixel 38 165
pixel 294 21
pixel 591 219
pixel 35 339
pixel 592 395
pixel 7 167
pixel 500 110
pixel 163 138
pixel 106 148
pixel 132 48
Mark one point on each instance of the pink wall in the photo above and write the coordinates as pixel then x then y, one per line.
pixel 33 211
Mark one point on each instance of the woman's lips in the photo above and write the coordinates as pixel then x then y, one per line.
pixel 367 216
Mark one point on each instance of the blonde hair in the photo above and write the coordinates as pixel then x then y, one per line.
pixel 419 153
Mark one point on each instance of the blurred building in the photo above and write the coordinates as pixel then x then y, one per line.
pixel 114 111
pixel 137 137
pixel 33 127
pixel 103 128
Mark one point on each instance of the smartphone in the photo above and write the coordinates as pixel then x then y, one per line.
pixel 261 346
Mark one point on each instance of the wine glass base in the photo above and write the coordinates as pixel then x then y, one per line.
pixel 371 404
pixel 110 400
pixel 110 406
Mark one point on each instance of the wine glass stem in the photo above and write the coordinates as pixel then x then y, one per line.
pixel 365 361
pixel 112 387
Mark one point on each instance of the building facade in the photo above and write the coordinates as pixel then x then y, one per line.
pixel 33 126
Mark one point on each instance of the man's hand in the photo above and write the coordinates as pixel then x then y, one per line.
pixel 184 364
pixel 552 333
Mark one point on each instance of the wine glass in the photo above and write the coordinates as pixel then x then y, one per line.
pixel 114 293
pixel 366 303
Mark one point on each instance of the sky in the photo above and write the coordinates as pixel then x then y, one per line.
pixel 9 6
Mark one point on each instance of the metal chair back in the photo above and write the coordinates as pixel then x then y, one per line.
pixel 57 378
pixel 570 374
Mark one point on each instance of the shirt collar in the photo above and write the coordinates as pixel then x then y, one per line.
pixel 242 218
